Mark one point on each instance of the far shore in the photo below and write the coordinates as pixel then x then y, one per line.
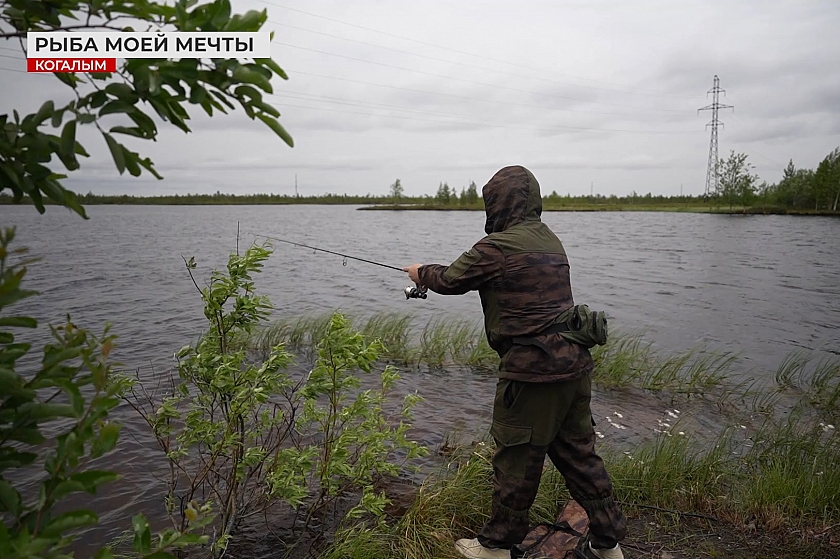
pixel 373 203
pixel 610 208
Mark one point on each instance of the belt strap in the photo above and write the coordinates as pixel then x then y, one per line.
pixel 555 328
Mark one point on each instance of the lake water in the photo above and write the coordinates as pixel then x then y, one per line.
pixel 761 286
pixel 758 286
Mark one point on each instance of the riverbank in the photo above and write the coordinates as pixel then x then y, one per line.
pixel 679 504
pixel 710 468
pixel 618 208
pixel 384 203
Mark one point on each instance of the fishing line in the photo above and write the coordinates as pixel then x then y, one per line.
pixel 417 292
pixel 330 252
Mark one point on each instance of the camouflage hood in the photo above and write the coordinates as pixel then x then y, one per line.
pixel 510 197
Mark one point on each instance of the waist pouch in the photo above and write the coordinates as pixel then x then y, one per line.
pixel 578 325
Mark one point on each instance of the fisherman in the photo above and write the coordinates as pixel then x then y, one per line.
pixel 542 403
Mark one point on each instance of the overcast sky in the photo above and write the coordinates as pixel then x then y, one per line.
pixel 587 94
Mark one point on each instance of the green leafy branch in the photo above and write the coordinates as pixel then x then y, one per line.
pixel 140 90
pixel 73 391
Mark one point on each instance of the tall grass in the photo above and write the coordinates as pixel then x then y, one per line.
pixel 782 481
pixel 783 476
pixel 816 383
pixel 824 388
pixel 394 330
pixel 455 341
pixel 452 504
pixel 629 361
pixel 301 334
pixel 797 461
pixel 625 361
pixel 673 472
pixel 440 342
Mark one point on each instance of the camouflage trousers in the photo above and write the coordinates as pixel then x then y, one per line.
pixel 531 420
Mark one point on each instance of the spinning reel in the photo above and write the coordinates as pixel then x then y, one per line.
pixel 416 292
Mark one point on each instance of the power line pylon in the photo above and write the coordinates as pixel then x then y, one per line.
pixel 712 169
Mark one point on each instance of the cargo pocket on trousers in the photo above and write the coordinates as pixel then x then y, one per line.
pixel 511 448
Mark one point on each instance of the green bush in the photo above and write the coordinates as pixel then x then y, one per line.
pixel 72 391
pixel 242 431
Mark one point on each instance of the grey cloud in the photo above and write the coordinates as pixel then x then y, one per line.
pixel 783 129
pixel 635 162
pixel 564 98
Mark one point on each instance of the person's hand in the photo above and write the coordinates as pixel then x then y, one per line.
pixel 413 272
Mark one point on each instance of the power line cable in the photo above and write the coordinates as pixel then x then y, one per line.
pixel 496 86
pixel 465 120
pixel 14 70
pixel 471 99
pixel 737 117
pixel 491 125
pixel 485 68
pixel 615 86
pixel 439 93
pixel 444 94
pixel 424 43
pixel 340 101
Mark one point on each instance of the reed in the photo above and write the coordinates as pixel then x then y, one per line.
pixel 626 361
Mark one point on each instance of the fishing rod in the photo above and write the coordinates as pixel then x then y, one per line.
pixel 416 292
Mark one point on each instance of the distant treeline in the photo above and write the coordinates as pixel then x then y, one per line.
pixel 551 202
pixel 453 202
pixel 799 191
pixel 218 198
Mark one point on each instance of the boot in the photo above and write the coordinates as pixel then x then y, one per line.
pixel 474 550
pixel 585 550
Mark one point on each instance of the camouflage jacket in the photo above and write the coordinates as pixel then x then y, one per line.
pixel 521 272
